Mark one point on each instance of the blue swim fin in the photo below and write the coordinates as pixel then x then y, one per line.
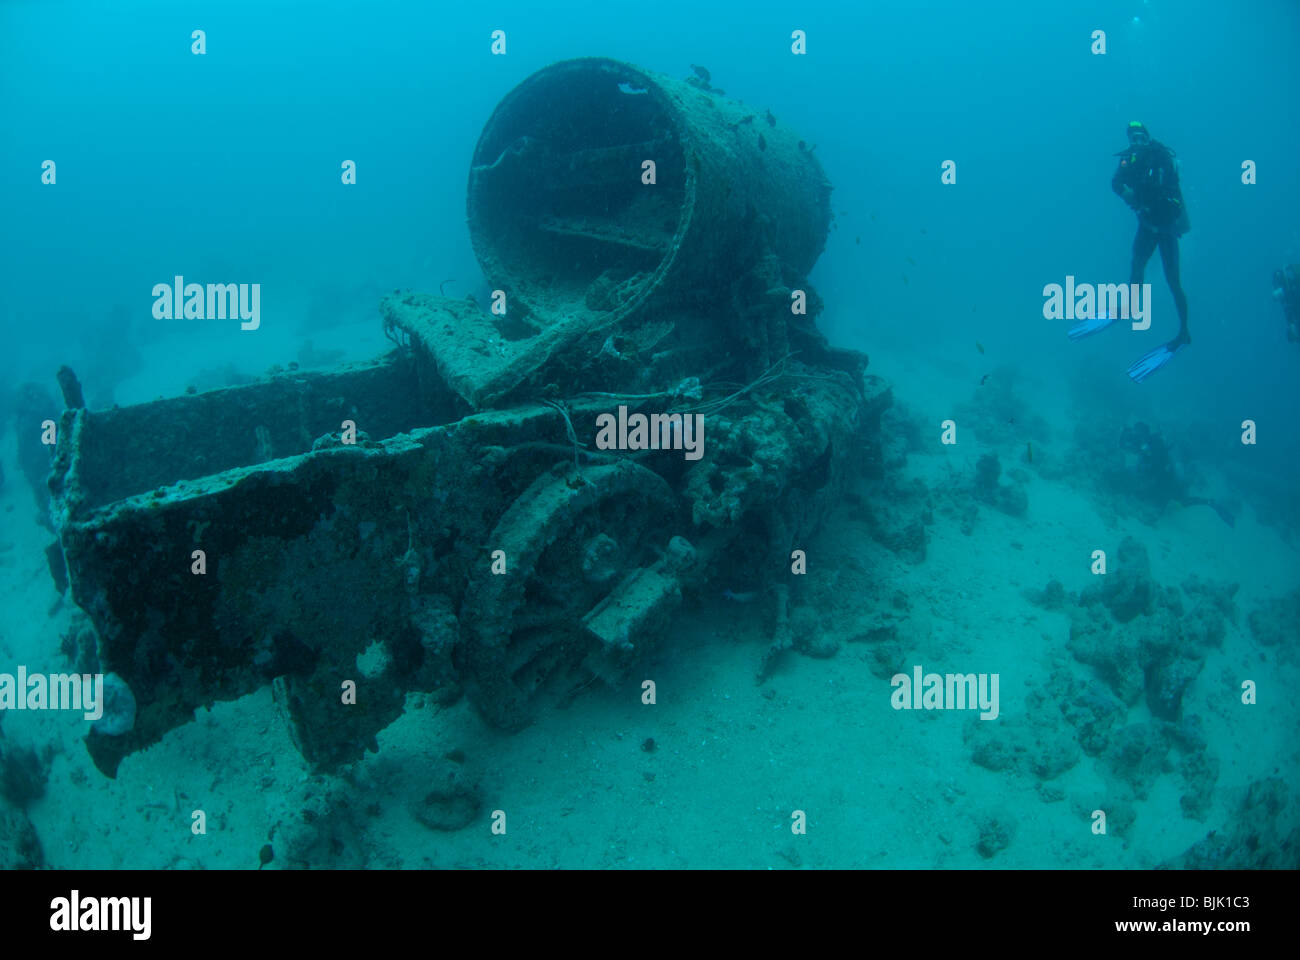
pixel 1152 362
pixel 1086 328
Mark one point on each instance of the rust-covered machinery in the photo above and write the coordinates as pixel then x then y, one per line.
pixel 441 518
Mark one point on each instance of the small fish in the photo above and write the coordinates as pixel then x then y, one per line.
pixel 771 120
pixel 979 346
pixel 1029 452
pixel 905 280
pixel 762 144
pixel 701 73
pixel 911 262
pixel 858 241
pixel 739 597
pixel 984 379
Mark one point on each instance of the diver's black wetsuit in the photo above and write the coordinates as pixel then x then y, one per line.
pixel 1148 170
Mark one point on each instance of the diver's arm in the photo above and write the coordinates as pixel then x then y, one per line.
pixel 1119 183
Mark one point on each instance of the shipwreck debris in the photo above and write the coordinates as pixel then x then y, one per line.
pixel 440 518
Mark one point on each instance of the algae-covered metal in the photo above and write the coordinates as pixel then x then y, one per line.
pixel 602 186
pixel 601 193
pixel 441 519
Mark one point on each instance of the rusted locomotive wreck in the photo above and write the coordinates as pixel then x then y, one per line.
pixel 472 536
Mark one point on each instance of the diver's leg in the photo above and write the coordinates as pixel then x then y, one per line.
pixel 1144 244
pixel 1169 257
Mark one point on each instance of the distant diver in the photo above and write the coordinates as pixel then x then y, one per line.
pixel 1154 476
pixel 1286 290
pixel 1147 180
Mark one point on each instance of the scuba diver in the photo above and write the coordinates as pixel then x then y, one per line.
pixel 1147 180
pixel 1153 478
pixel 1286 290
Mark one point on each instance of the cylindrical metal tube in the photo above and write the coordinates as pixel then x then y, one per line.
pixel 563 219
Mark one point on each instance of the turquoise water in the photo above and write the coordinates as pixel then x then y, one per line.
pixel 1152 699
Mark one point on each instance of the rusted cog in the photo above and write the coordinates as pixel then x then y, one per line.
pixel 569 540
